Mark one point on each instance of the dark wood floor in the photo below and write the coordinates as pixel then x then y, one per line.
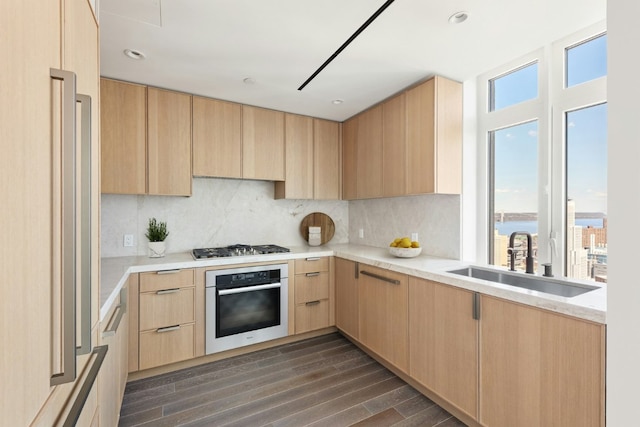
pixel 322 381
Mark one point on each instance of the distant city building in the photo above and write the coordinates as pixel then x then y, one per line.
pixel 600 235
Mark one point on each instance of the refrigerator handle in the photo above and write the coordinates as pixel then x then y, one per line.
pixel 68 222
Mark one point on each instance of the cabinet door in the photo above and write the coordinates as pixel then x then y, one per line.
pixel 369 154
pixel 217 138
pixel 539 368
pixel 347 296
pixel 383 314
pixel 123 137
pixel 312 315
pixel 169 142
pixel 394 147
pixel 448 136
pixel 26 183
pixel 326 160
pixel 434 137
pixel 421 138
pixel 298 183
pixel 262 144
pixel 113 373
pixel 443 337
pixel 349 159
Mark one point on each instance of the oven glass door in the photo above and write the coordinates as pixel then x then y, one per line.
pixel 247 309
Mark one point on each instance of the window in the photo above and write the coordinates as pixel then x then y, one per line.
pixel 544 130
pixel 517 86
pixel 514 186
pixel 586 61
pixel 586 147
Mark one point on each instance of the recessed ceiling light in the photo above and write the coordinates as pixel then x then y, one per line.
pixel 458 17
pixel 134 54
pixel 337 101
pixel 249 81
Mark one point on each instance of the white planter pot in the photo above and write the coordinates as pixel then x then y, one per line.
pixel 156 249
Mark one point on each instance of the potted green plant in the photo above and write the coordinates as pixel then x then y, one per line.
pixel 156 233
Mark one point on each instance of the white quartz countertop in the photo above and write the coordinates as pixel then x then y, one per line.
pixel 589 306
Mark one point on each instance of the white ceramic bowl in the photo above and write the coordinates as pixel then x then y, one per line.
pixel 405 252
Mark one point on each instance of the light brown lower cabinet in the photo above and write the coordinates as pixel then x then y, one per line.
pixel 443 341
pixel 112 378
pixel 313 294
pixel 346 274
pixel 383 321
pixel 489 361
pixel 539 368
pixel 167 316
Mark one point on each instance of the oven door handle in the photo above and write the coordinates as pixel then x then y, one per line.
pixel 248 289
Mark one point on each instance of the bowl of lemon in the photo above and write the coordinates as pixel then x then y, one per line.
pixel 404 247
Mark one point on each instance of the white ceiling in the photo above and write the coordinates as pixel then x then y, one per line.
pixel 209 47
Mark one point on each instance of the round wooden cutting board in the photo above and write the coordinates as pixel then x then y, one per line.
pixel 318 219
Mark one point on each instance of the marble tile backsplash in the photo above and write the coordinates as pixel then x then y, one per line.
pixel 220 212
pixel 228 211
pixel 435 217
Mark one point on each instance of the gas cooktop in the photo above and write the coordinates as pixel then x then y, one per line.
pixel 237 250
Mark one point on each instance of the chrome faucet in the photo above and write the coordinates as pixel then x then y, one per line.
pixel 512 252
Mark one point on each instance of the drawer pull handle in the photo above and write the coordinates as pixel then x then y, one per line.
pixel 312 274
pixel 168 271
pixel 168 291
pixel 313 259
pixel 376 276
pixel 121 310
pixel 316 302
pixel 168 329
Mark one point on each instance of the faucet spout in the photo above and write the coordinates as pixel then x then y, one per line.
pixel 529 259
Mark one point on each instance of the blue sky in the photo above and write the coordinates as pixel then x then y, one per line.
pixel 516 162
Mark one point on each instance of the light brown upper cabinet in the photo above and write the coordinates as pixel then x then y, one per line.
pixel 326 159
pixel 169 142
pixel 434 137
pixel 394 147
pixel 145 140
pixel 298 182
pixel 362 155
pixel 369 152
pixel 123 137
pixel 312 148
pixel 349 158
pixel 217 138
pixel 408 144
pixel 262 144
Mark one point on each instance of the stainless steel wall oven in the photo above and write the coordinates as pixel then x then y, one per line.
pixel 245 305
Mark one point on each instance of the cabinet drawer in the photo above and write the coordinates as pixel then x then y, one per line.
pixel 310 265
pixel 312 316
pixel 311 287
pixel 167 279
pixel 158 347
pixel 166 308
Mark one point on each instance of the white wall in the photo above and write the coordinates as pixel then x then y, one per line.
pixel 220 212
pixel 623 288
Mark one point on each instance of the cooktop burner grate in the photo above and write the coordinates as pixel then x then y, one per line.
pixel 237 250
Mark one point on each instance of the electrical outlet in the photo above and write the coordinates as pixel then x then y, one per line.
pixel 361 233
pixel 128 240
pixel 414 237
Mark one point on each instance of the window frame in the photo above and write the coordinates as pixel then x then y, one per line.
pixel 554 99
pixel 565 99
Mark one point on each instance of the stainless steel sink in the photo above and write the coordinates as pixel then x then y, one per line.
pixel 526 281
